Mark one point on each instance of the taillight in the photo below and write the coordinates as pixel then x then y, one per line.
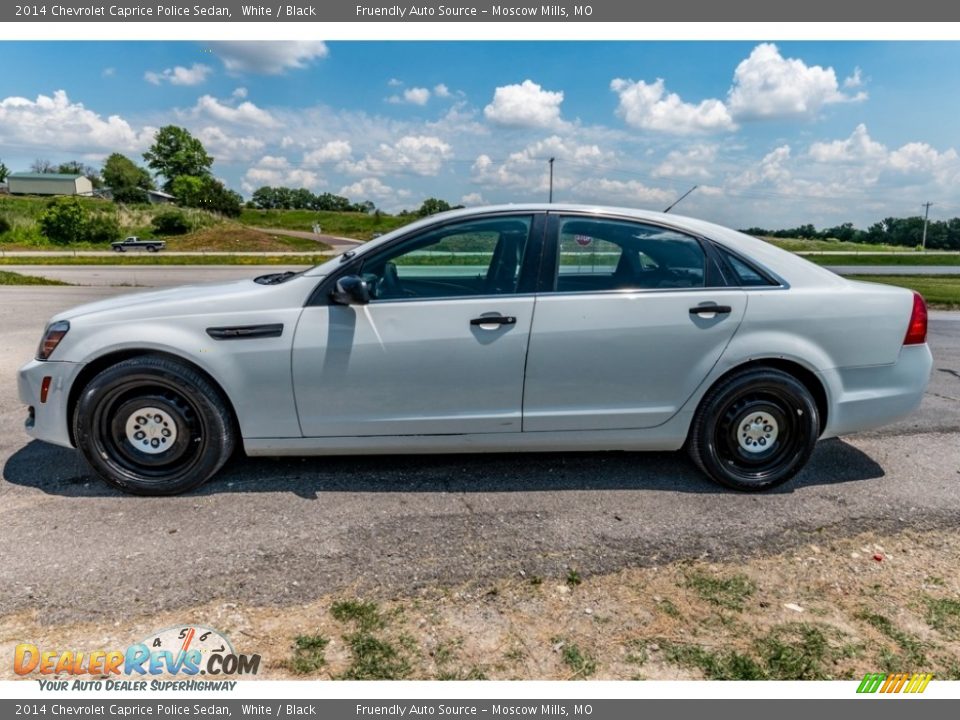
pixel 917 329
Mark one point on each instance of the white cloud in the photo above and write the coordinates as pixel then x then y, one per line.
pixel 411 96
pixel 524 105
pixel 229 148
pixel 441 91
pixel 767 85
pixel 56 122
pixel 651 107
pixel 333 151
pixel 276 171
pixel 394 82
pixel 108 72
pixel 269 57
pixel 418 154
pixel 246 113
pixel 196 74
pixel 370 188
pixel 859 147
pixel 855 80
pixel 472 199
pixel 528 169
pixel 632 193
pixel 693 162
pixel 240 93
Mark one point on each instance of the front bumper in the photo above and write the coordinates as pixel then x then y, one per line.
pixel 47 420
pixel 870 397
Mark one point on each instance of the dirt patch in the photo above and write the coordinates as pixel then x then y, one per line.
pixel 834 610
pixel 232 237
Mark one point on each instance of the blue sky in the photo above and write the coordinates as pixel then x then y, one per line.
pixel 774 134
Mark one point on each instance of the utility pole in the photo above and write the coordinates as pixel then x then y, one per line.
pixel 926 214
pixel 551 178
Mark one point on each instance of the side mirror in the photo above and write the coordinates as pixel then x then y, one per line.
pixel 351 290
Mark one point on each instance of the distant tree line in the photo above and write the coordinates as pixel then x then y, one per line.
pixel 284 198
pixel 906 232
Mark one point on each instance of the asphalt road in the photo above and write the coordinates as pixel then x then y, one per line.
pixel 895 269
pixel 270 531
pixel 146 276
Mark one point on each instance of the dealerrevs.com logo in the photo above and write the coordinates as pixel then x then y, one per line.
pixel 186 650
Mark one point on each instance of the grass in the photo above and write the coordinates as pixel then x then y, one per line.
pixel 308 654
pixel 12 278
pixel 941 291
pixel 791 651
pixel 160 259
pixel 372 657
pixel 359 226
pixel 903 260
pixel 729 593
pixel 913 655
pixel 581 663
pixel 801 245
pixel 943 614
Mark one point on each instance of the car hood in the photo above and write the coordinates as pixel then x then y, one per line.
pixel 236 295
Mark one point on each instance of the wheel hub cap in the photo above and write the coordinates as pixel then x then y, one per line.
pixel 757 432
pixel 151 430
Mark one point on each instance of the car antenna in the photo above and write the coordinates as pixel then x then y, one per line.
pixel 677 201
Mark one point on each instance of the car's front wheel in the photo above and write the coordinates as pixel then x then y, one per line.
pixel 755 430
pixel 152 425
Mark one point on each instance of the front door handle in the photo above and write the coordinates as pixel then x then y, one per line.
pixel 494 320
pixel 711 309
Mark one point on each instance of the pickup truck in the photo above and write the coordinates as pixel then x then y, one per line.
pixel 135 243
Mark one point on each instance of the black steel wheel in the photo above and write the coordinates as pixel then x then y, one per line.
pixel 755 430
pixel 152 425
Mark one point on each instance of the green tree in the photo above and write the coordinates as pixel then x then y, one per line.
pixel 4 171
pixel 64 221
pixel 171 222
pixel 176 153
pixel 432 206
pixel 75 167
pixel 208 193
pixel 128 181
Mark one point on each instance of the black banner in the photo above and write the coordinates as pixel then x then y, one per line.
pixel 472 11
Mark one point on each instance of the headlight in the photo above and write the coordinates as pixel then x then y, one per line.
pixel 54 333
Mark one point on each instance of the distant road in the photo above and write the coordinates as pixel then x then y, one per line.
pixel 333 241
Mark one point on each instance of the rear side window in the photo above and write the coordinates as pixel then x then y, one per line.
pixel 597 254
pixel 746 275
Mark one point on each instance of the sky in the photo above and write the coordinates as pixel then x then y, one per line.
pixel 773 134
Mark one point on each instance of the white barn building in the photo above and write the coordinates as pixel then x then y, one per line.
pixel 48 184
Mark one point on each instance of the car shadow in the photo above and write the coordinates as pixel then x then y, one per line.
pixel 60 471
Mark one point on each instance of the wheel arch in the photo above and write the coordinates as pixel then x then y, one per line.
pixel 803 374
pixel 99 364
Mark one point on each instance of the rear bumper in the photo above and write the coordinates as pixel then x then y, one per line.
pixel 47 420
pixel 865 398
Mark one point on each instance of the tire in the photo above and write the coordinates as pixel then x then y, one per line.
pixel 117 248
pixel 754 430
pixel 152 248
pixel 152 425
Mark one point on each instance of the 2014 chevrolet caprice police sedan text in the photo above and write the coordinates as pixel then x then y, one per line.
pixel 514 328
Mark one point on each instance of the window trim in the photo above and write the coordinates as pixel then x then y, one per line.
pixel 526 281
pixel 775 282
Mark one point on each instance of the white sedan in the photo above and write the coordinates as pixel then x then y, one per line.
pixel 520 328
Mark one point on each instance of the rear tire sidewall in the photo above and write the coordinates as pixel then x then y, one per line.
pixel 764 392
pixel 204 440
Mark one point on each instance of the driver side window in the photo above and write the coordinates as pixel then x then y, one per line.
pixel 478 257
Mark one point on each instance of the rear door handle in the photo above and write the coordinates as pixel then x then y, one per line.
pixel 711 309
pixel 494 320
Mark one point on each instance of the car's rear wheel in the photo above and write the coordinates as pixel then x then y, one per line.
pixel 117 248
pixel 152 425
pixel 755 430
pixel 152 248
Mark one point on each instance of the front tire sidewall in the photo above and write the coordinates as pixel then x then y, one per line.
pixel 202 423
pixel 713 444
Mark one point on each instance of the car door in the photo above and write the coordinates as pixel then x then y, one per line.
pixel 631 318
pixel 440 347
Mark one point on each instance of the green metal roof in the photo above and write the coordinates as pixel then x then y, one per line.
pixel 43 176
